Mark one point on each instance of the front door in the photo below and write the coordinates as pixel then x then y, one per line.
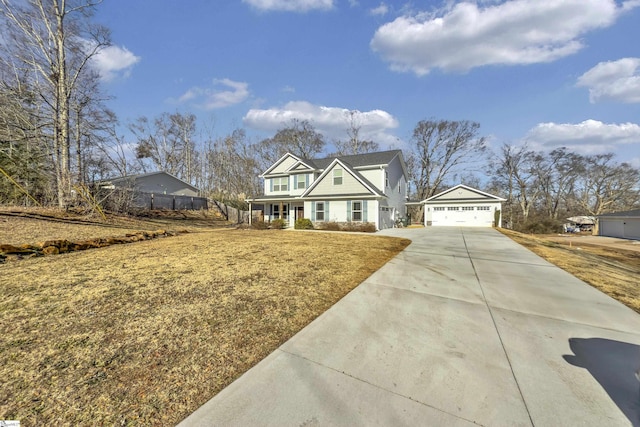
pixel 299 212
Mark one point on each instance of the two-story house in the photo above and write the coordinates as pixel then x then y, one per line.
pixel 368 187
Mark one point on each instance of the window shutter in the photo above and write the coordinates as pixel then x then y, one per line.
pixel 313 211
pixel 326 211
pixel 348 210
pixel 364 211
pixel 271 184
pixel 295 182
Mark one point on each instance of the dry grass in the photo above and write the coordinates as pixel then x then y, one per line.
pixel 614 271
pixel 19 226
pixel 143 334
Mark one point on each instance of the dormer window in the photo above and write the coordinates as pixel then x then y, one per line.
pixel 337 177
pixel 386 179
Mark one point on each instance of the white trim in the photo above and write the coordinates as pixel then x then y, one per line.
pixel 474 190
pixel 344 167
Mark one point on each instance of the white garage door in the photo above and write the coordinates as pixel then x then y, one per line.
pixel 467 216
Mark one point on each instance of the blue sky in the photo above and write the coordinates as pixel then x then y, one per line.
pixel 546 72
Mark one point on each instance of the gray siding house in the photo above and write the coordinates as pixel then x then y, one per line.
pixel 625 225
pixel 153 183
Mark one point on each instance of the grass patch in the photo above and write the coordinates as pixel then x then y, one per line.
pixel 143 334
pixel 616 272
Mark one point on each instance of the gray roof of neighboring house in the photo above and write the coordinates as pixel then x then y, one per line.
pixel 129 178
pixel 625 214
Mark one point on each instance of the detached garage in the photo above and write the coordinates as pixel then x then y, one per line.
pixel 462 206
pixel 625 225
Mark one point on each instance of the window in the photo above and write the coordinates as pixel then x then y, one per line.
pixel 438 208
pixel 399 186
pixel 452 208
pixel 300 181
pixel 337 177
pixel 276 211
pixel 483 208
pixel 356 211
pixel 281 184
pixel 386 179
pixel 319 211
pixel 467 208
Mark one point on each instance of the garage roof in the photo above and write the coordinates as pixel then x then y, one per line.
pixel 635 213
pixel 463 193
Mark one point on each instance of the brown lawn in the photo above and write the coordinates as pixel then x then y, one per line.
pixel 611 269
pixel 144 333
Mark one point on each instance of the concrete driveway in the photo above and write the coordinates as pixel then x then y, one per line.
pixel 464 327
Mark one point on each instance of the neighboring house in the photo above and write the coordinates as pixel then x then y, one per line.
pixel 153 183
pixel 625 225
pixel 462 206
pixel 155 190
pixel 368 187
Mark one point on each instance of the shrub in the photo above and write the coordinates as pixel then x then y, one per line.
pixel 259 225
pixel 362 227
pixel 545 226
pixel 278 224
pixel 303 224
pixel 367 227
pixel 329 226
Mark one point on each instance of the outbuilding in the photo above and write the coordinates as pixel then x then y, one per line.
pixel 625 225
pixel 463 206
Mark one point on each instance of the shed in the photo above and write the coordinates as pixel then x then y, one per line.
pixel 463 206
pixel 625 225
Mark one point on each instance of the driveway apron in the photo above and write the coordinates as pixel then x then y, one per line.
pixel 464 327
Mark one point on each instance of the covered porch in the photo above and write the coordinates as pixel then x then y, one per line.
pixel 287 209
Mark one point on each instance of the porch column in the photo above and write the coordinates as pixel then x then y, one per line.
pixel 280 211
pixel 250 213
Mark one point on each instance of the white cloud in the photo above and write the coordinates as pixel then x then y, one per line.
pixel 211 98
pixel 614 80
pixel 468 35
pixel 114 61
pixel 590 136
pixel 380 10
pixel 291 5
pixel 330 121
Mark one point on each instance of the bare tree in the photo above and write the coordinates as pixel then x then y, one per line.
pixel 167 144
pixel 513 172
pixel 234 168
pixel 607 186
pixel 442 147
pixel 354 144
pixel 299 138
pixel 556 174
pixel 52 42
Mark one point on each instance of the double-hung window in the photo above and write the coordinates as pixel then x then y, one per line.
pixel 281 184
pixel 337 177
pixel 300 181
pixel 356 211
pixel 319 211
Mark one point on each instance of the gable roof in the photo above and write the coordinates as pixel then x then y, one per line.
pixel 357 175
pixel 634 213
pixel 360 160
pixel 282 159
pixel 130 178
pixel 481 195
